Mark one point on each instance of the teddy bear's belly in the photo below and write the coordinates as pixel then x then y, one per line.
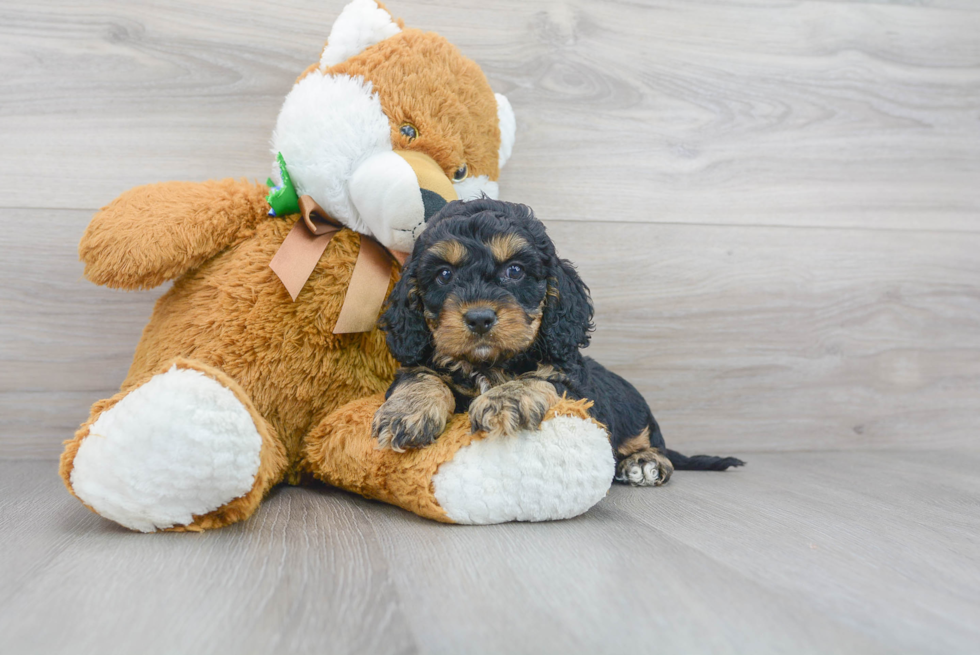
pixel 233 313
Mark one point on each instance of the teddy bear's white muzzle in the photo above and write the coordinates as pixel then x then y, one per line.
pixel 395 192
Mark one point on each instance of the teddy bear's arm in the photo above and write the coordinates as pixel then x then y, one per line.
pixel 154 233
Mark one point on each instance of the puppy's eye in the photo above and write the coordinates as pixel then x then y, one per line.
pixel 444 275
pixel 514 272
pixel 460 173
pixel 409 131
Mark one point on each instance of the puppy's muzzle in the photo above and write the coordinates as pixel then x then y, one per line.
pixel 480 320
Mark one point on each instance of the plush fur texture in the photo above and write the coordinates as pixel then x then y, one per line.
pixel 233 317
pixel 501 479
pixel 552 483
pixel 227 354
pixel 233 313
pixel 180 445
pixel 476 186
pixel 508 129
pixel 389 88
pixel 488 309
pixel 386 187
pixel 155 233
pixel 355 127
pixel 421 79
pixel 131 493
pixel 361 24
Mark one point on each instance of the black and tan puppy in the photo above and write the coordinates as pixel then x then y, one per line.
pixel 487 319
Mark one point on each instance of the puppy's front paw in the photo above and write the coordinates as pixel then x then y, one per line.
pixel 400 424
pixel 414 415
pixel 646 468
pixel 513 406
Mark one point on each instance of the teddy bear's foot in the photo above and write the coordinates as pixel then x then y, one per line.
pixel 555 471
pixel 184 450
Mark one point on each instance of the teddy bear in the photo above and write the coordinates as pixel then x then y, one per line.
pixel 262 363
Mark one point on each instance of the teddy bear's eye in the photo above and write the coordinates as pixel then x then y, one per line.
pixel 409 131
pixel 460 173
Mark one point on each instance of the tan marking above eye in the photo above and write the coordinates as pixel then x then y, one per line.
pixel 451 252
pixel 505 246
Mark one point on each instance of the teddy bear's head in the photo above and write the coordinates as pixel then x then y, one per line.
pixel 390 125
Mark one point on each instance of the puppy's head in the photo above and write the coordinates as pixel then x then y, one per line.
pixel 483 285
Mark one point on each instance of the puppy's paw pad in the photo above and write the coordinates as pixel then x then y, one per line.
pixel 645 469
pixel 641 475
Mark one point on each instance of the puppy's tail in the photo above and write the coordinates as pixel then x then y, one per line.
pixel 701 462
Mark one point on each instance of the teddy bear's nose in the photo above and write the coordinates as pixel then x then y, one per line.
pixel 480 320
pixel 436 189
pixel 432 202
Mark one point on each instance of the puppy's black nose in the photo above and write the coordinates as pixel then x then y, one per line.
pixel 480 320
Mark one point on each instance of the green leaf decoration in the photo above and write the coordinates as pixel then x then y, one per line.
pixel 283 199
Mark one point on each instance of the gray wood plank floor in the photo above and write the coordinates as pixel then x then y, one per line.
pixel 796 553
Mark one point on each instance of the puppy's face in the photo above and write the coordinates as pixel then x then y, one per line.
pixel 484 284
pixel 483 287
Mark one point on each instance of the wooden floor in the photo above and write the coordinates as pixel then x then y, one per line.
pixel 796 553
pixel 777 207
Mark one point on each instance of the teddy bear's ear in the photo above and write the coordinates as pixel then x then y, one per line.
pixel 508 127
pixel 360 25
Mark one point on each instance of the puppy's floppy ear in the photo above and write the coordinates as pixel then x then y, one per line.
pixel 403 320
pixel 567 316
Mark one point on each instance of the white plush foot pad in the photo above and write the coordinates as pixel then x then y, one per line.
pixel 556 472
pixel 180 445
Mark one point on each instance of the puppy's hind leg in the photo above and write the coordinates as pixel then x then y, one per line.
pixel 641 465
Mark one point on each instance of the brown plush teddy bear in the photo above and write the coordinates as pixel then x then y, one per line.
pixel 262 363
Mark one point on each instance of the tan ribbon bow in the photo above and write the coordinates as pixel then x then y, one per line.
pixel 301 250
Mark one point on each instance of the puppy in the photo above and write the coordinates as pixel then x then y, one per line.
pixel 487 319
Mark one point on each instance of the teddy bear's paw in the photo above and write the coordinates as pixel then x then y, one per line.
pixel 557 471
pixel 512 406
pixel 646 468
pixel 181 445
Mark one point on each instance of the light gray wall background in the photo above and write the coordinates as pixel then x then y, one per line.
pixel 775 204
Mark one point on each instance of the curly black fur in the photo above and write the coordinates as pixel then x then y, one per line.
pixel 548 296
pixel 403 321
